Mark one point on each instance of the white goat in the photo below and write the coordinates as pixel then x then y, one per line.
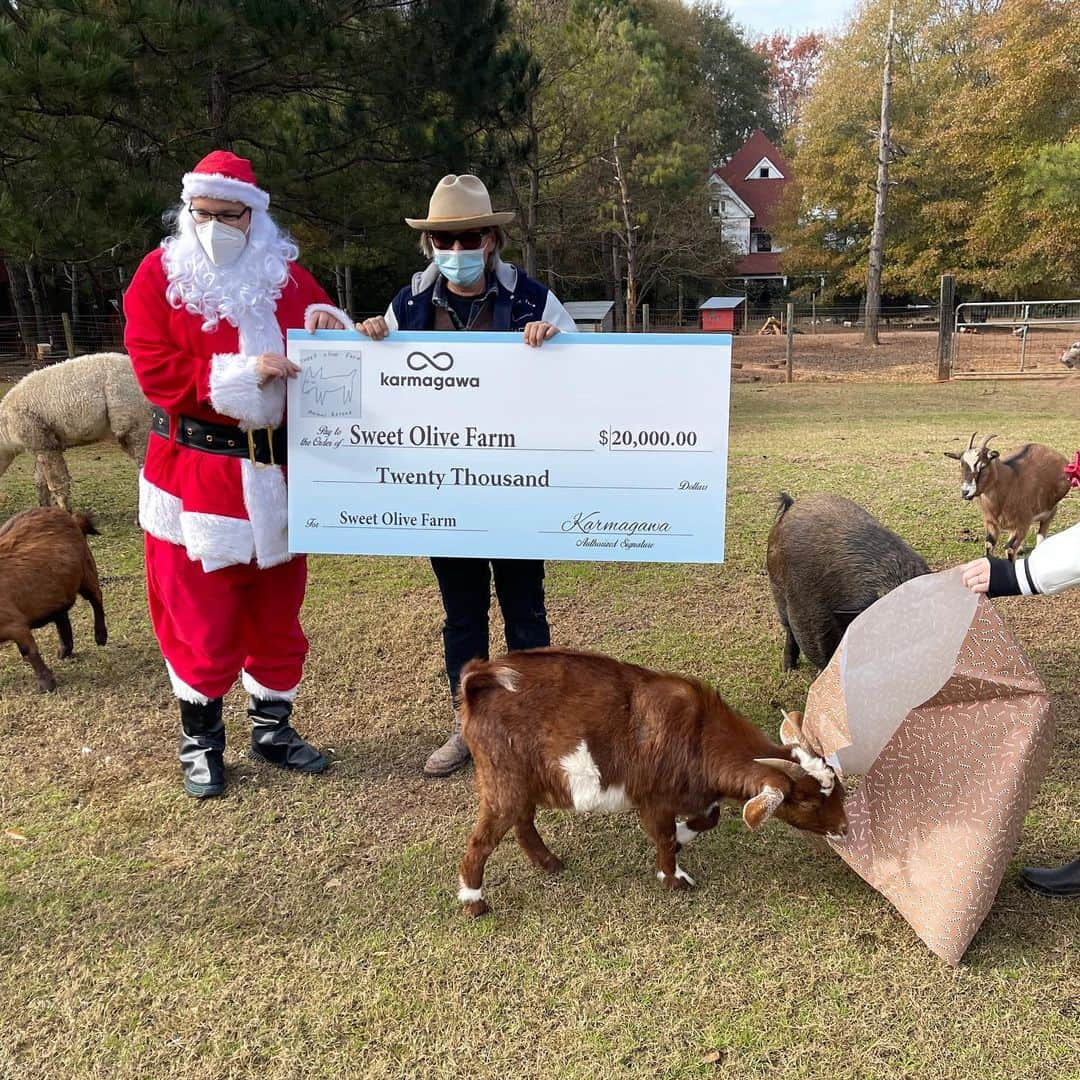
pixel 73 403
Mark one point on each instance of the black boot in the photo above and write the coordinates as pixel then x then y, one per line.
pixel 202 744
pixel 1060 884
pixel 275 741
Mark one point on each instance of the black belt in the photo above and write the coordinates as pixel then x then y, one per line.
pixel 263 446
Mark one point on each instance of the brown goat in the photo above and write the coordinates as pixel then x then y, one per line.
pixel 45 562
pixel 580 731
pixel 1015 492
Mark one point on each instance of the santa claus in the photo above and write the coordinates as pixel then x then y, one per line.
pixel 206 318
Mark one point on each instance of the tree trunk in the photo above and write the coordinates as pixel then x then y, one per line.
pixel 532 207
pixel 877 239
pixel 339 285
pixel 613 262
pixel 218 106
pixel 35 299
pixel 73 277
pixel 629 240
pixel 20 300
pixel 348 292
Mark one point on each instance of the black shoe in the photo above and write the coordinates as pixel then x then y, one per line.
pixel 276 742
pixel 202 746
pixel 1060 884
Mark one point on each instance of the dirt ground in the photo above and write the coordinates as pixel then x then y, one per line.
pixel 902 356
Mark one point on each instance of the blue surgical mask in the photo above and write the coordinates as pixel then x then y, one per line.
pixel 461 267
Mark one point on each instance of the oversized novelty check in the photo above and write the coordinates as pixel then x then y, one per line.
pixel 593 446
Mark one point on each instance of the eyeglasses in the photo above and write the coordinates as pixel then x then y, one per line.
pixel 226 217
pixel 468 240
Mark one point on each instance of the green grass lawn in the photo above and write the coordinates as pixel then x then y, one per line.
pixel 308 926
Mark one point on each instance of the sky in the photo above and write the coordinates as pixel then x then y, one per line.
pixel 761 17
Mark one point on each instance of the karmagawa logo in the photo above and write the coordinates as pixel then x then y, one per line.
pixel 422 366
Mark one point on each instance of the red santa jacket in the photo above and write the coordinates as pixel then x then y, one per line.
pixel 223 510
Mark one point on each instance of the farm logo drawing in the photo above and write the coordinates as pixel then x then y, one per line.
pixel 326 392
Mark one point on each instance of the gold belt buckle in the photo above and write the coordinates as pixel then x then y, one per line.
pixel 251 448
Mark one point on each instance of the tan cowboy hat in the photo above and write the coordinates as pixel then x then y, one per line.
pixel 460 202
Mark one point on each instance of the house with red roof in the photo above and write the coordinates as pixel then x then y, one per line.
pixel 743 193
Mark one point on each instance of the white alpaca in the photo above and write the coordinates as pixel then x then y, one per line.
pixel 73 403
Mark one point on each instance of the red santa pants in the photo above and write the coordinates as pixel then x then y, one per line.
pixel 211 627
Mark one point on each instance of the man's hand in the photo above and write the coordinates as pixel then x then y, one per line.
pixel 976 575
pixel 536 333
pixel 272 365
pixel 375 328
pixel 322 320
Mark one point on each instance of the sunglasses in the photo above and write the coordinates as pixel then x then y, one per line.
pixel 468 240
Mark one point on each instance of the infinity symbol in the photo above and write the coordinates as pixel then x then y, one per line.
pixel 441 361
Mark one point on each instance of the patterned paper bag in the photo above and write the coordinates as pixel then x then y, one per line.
pixel 930 698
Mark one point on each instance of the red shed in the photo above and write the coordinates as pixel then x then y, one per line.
pixel 718 313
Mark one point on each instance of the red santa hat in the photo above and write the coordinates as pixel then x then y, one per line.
pixel 223 175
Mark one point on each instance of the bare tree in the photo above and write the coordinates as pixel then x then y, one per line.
pixel 877 238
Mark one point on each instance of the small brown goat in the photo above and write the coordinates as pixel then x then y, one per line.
pixel 1015 492
pixel 580 731
pixel 45 562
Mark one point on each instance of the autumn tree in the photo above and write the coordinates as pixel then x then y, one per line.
pixel 792 65
pixel 981 88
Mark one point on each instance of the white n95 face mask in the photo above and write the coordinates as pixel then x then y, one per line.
pixel 222 243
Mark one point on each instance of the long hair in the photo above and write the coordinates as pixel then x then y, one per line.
pixel 226 292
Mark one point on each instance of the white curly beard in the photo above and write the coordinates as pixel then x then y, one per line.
pixel 242 291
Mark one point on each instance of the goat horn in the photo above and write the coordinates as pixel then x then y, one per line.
pixel 986 440
pixel 790 733
pixel 972 443
pixel 789 768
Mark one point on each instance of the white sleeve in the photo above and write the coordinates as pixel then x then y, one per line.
pixel 1054 565
pixel 391 318
pixel 557 315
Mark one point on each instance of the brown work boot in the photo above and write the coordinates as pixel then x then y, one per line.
pixel 451 756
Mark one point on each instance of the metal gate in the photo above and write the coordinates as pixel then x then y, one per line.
pixel 1014 335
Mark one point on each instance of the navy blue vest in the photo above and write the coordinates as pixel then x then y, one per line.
pixel 511 311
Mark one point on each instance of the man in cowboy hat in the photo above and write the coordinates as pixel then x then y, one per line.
pixel 206 315
pixel 467 286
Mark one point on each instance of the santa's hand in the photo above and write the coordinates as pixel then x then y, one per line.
pixel 272 365
pixel 375 328
pixel 536 333
pixel 322 320
pixel 976 575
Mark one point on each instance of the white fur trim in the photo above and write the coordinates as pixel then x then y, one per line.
pixel 217 186
pixel 235 392
pixel 264 693
pixel 182 690
pixel 328 309
pixel 266 500
pixel 159 512
pixel 216 541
